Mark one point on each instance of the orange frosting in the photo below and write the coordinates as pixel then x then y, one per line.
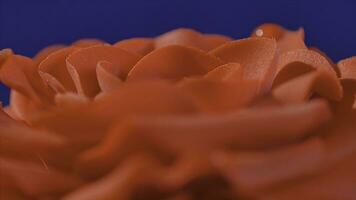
pixel 182 116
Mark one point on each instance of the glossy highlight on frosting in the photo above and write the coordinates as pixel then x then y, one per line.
pixel 181 116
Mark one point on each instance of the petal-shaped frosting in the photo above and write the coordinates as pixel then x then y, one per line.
pixel 16 73
pixel 182 116
pixel 30 93
pixel 73 121
pixel 347 67
pixel 269 30
pixel 256 56
pixel 173 63
pixel 88 42
pixel 22 107
pixel 70 100
pixel 182 36
pixel 36 179
pixel 155 97
pixel 17 138
pixel 82 65
pixel 256 128
pixel 300 89
pixel 348 100
pixel 191 38
pixel 4 54
pixel 214 40
pixel 220 96
pixel 337 183
pixel 227 72
pixel 52 82
pixel 291 41
pixel 336 179
pixel 325 56
pixel 108 76
pixel 253 171
pixel 287 40
pixel 339 137
pixel 120 183
pixel 20 73
pixel 146 171
pixel 141 46
pixel 290 71
pixel 41 55
pixel 55 65
pixel 308 57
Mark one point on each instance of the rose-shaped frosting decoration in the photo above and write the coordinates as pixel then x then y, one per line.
pixel 184 115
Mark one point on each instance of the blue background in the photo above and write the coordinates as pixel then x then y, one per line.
pixel 27 26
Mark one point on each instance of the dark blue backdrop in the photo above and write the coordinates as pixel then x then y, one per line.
pixel 28 25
